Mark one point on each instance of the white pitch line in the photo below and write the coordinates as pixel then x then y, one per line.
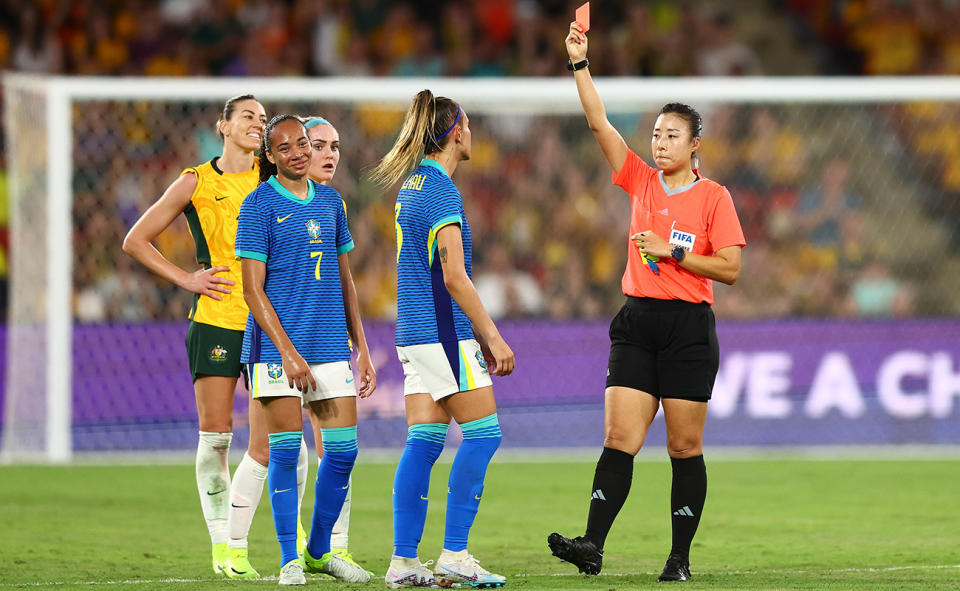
pixel 530 575
pixel 126 582
pixel 757 572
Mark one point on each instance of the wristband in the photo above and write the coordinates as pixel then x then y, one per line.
pixel 573 67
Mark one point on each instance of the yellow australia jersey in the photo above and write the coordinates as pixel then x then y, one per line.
pixel 212 217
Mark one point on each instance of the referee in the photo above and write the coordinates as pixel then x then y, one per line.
pixel 684 234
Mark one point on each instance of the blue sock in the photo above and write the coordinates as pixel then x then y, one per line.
pixel 481 438
pixel 411 484
pixel 282 480
pixel 333 477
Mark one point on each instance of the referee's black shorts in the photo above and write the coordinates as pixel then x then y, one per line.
pixel 667 348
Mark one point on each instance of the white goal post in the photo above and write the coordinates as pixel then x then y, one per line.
pixel 38 118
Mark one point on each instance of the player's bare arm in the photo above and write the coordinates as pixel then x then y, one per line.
pixel 139 242
pixel 458 283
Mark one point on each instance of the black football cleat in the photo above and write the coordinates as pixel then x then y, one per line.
pixel 676 569
pixel 579 551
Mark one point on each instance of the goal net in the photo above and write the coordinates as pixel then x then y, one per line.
pixel 848 191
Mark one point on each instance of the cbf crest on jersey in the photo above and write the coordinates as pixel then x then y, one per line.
pixel 313 230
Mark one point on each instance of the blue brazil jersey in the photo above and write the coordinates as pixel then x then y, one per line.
pixel 299 240
pixel 426 313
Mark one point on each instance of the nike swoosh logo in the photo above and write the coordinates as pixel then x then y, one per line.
pixel 346 487
pixel 219 198
pixel 472 578
pixel 239 572
pixel 350 380
pixel 424 498
pixel 216 492
pixel 239 506
pixel 280 491
pixel 476 497
pixel 280 219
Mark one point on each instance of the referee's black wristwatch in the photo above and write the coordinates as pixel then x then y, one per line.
pixel 678 253
pixel 573 67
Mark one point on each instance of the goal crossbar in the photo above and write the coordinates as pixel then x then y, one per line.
pixel 547 95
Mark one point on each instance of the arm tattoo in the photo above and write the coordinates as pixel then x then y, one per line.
pixel 443 254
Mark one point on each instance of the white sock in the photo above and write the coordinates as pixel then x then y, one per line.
pixel 338 538
pixel 303 467
pixel 245 492
pixel 451 555
pixel 403 562
pixel 213 482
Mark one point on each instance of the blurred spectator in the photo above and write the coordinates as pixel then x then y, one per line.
pixel 890 40
pixel 505 290
pixel 570 295
pixel 331 35
pixel 876 293
pixel 423 60
pixel 37 49
pixel 825 209
pixel 890 37
pixel 721 54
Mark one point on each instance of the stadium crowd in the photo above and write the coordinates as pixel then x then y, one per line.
pixel 541 207
pixel 817 199
pixel 476 37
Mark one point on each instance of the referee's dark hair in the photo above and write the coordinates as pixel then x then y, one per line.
pixel 426 130
pixel 694 123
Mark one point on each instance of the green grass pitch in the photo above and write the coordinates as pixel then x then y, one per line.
pixel 768 524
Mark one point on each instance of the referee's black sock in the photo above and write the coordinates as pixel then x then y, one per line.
pixel 611 485
pixel 686 501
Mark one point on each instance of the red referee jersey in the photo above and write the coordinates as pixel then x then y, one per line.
pixel 699 216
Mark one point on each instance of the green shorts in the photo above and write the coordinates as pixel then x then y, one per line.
pixel 214 351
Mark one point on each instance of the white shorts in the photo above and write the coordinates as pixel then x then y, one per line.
pixel 442 369
pixel 334 380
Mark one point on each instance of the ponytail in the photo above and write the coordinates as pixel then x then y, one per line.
pixel 428 122
pixel 267 168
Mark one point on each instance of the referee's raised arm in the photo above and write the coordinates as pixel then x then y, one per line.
pixel 611 142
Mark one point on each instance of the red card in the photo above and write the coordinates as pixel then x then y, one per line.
pixel 583 17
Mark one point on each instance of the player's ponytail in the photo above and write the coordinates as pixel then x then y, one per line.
pixel 426 129
pixel 267 168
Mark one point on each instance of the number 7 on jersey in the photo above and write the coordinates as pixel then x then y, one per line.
pixel 319 255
